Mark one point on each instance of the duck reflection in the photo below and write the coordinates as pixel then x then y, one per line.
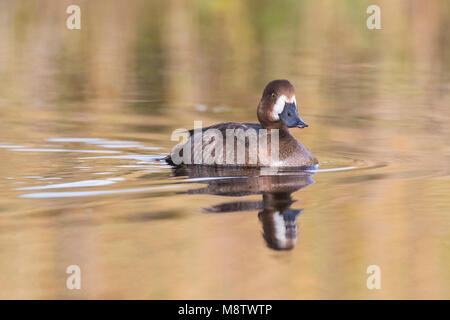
pixel 279 220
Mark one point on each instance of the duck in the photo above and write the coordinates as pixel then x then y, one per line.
pixel 277 113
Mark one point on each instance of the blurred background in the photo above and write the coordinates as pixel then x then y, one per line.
pixel 99 105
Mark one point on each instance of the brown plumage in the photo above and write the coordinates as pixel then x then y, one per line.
pixel 277 112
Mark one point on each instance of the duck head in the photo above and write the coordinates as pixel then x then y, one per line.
pixel 278 107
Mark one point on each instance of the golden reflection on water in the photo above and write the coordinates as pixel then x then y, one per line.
pixel 376 100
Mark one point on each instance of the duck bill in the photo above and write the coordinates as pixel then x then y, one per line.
pixel 290 116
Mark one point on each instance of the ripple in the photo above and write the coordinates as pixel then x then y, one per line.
pixel 104 143
pixel 77 184
pixel 6 146
pixel 65 150
pixel 331 169
pixel 138 157
pixel 74 194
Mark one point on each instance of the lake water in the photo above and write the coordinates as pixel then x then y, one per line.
pixel 87 115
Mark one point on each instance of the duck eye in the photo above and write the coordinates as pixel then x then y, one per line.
pixel 274 95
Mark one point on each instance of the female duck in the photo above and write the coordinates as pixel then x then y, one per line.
pixel 247 144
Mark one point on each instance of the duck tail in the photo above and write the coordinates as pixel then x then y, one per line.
pixel 168 159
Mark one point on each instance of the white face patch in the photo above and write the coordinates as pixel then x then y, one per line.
pixel 280 227
pixel 279 105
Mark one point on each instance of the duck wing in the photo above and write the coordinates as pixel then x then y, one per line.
pixel 222 128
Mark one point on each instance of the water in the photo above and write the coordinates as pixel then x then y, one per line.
pixel 87 117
